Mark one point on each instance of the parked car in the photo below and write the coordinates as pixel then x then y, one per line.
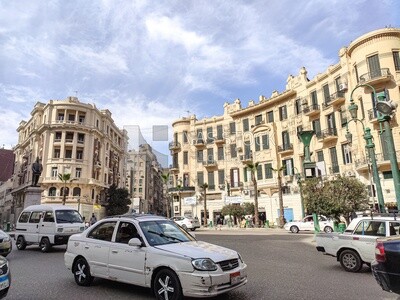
pixel 356 245
pixel 386 266
pixel 5 277
pixel 46 226
pixel 187 222
pixel 153 252
pixel 5 244
pixel 307 224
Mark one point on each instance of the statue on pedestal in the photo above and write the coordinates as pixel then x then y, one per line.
pixel 37 169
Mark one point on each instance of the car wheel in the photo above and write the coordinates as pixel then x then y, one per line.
pixel 166 285
pixel 294 229
pixel 350 261
pixel 193 229
pixel 45 245
pixel 184 226
pixel 328 229
pixel 81 272
pixel 21 244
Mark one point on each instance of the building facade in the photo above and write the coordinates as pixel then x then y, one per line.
pixel 69 137
pixel 215 150
pixel 144 181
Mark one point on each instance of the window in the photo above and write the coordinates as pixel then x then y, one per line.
pixel 371 228
pixel 219 132
pixel 210 138
pixel 232 127
pixel 314 99
pixel 54 172
pixel 35 217
pixel 270 116
pixel 268 171
pixel 66 191
pixel 316 125
pixel 69 137
pixel 334 160
pixel 200 178
pixel 343 117
pixel 76 191
pixel 356 73
pixel 258 120
pixel 210 154
pixel 327 95
pixel 286 140
pixel 265 141
pixel 320 155
pixel 245 170
pixel 81 119
pixel 396 60
pixel 374 66
pixel 297 107
pixel 78 172
pixel 282 113
pixel 103 232
pixel 257 143
pixel 79 154
pixel 24 217
pixel 235 179
pixel 337 83
pixel 394 228
pixel 259 172
pixel 245 125
pixel 233 150
pixel 346 150
pixel 199 135
pixel 330 120
pixel 185 179
pixel 58 136
pixel 71 117
pixel 48 217
pixel 211 183
pixel 200 156
pixel 57 152
pixel 68 153
pixel 81 138
pixel 185 157
pixel 221 176
pixel 185 136
pixel 52 191
pixel 126 231
pixel 288 166
pixel 220 153
pixel 60 117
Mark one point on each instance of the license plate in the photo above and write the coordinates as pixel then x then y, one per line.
pixel 235 277
pixel 4 284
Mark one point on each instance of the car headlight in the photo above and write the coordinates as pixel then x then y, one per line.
pixel 240 257
pixel 204 264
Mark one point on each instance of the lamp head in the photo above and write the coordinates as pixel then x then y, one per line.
pixel 353 109
pixel 386 107
pixel 349 137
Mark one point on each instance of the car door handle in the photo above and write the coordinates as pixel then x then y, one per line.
pixel 114 251
pixel 86 247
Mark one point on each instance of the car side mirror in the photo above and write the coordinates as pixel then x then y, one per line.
pixel 135 242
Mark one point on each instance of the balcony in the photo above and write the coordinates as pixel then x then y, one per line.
pixel 337 98
pixel 174 146
pixel 362 164
pixel 373 115
pixel 183 189
pixel 327 135
pixel 383 160
pixel 210 163
pixel 285 148
pixel 376 77
pixel 174 168
pixel 219 140
pixel 247 158
pixel 199 143
pixel 311 110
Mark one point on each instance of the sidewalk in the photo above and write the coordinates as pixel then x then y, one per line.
pixel 241 231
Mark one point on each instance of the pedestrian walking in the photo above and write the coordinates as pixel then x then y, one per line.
pixel 93 219
pixel 220 222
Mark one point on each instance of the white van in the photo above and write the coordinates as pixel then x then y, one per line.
pixel 47 225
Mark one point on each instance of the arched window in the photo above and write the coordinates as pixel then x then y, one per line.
pixel 52 191
pixel 66 191
pixel 76 191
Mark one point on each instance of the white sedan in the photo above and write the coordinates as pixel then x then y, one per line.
pixel 153 252
pixel 307 224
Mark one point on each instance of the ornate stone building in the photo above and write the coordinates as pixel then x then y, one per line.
pixel 215 150
pixel 70 137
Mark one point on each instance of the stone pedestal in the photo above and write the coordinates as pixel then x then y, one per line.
pixel 33 196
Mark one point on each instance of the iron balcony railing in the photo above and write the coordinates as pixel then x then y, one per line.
pixel 384 72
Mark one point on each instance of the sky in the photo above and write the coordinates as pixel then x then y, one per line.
pixel 152 62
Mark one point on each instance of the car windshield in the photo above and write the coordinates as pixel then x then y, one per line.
pixel 68 216
pixel 163 232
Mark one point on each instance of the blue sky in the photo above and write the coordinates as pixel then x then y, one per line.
pixel 151 62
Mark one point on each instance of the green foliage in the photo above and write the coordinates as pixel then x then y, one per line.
pixel 118 201
pixel 64 177
pixel 232 210
pixel 340 196
pixel 248 208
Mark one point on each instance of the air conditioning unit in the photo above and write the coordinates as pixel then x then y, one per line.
pixel 343 87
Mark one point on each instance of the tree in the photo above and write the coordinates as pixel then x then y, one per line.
pixel 65 178
pixel 248 208
pixel 165 178
pixel 233 210
pixel 118 201
pixel 334 198
pixel 204 187
pixel 253 169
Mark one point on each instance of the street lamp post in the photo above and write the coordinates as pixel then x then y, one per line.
pixel 298 177
pixel 386 109
pixel 370 146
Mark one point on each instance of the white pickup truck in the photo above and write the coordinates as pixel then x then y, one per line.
pixel 356 245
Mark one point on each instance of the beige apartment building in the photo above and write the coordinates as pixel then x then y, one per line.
pixel 215 150
pixel 144 181
pixel 70 137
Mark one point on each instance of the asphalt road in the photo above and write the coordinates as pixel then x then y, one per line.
pixel 280 266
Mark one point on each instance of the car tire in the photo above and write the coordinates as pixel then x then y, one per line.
pixel 21 244
pixel 81 271
pixel 328 229
pixel 294 229
pixel 45 245
pixel 350 261
pixel 193 229
pixel 166 285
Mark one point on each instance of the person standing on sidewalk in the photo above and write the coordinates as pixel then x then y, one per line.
pixel 220 222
